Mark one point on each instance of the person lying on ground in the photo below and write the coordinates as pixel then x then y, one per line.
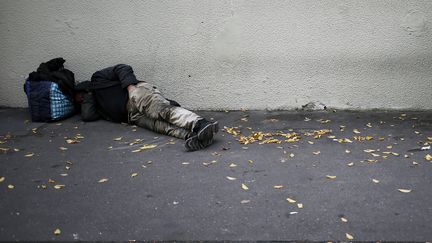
pixel 116 95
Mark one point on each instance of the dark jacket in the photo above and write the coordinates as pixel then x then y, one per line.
pixel 54 71
pixel 107 93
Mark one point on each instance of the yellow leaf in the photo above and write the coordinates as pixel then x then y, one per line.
pixel 2 179
pixel 405 190
pixel 375 180
pixel 244 187
pixel 290 200
pixel 71 141
pixel 330 177
pixel 300 205
pixel 59 186
pixel 103 180
pixel 57 231
pixel 148 146
pixel 278 187
pixel 29 155
pixel 344 219
pixel 134 174
pixel 428 157
pixel 349 237
pixel 231 178
pixel 250 161
pixel 118 139
pixel 369 150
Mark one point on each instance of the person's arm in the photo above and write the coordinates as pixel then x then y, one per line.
pixel 119 73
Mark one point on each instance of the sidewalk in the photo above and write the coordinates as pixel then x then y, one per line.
pixel 107 181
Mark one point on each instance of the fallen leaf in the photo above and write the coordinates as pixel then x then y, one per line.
pixel 278 187
pixel 369 150
pixel 347 151
pixel 29 155
pixel 231 178
pixel 103 180
pixel 62 148
pixel 250 161
pixel 244 187
pixel 290 200
pixel 185 163
pixel 291 155
pixel 375 180
pixel 2 179
pixel 316 152
pixel 57 231
pixel 291 213
pixel 356 131
pixel 415 163
pixel 232 165
pixel 428 157
pixel 350 164
pixel 300 205
pixel 344 219
pixel 118 139
pixel 59 186
pixel 349 237
pixel 64 174
pixel 71 141
pixel 245 201
pixel 10 186
pixel 405 190
pixel 134 174
pixel 310 142
pixel 330 177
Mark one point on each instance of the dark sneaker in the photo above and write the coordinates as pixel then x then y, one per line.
pixel 193 143
pixel 207 131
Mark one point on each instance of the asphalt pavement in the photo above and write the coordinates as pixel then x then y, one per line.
pixel 270 175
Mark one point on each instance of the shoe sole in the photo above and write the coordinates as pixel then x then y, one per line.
pixel 208 131
pixel 194 144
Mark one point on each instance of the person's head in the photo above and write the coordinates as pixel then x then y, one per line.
pixel 79 97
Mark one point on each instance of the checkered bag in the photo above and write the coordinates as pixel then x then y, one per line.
pixel 47 102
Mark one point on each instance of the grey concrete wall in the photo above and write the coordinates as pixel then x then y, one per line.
pixel 210 54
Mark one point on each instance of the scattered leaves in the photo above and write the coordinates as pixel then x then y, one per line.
pixel 103 180
pixel 57 231
pixel 290 200
pixel 244 187
pixel 405 190
pixel 59 186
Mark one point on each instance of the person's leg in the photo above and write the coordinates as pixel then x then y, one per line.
pixel 150 101
pixel 163 127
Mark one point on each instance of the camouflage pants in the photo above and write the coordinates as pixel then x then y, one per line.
pixel 149 109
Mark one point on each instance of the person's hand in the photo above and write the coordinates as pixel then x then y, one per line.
pixel 131 88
